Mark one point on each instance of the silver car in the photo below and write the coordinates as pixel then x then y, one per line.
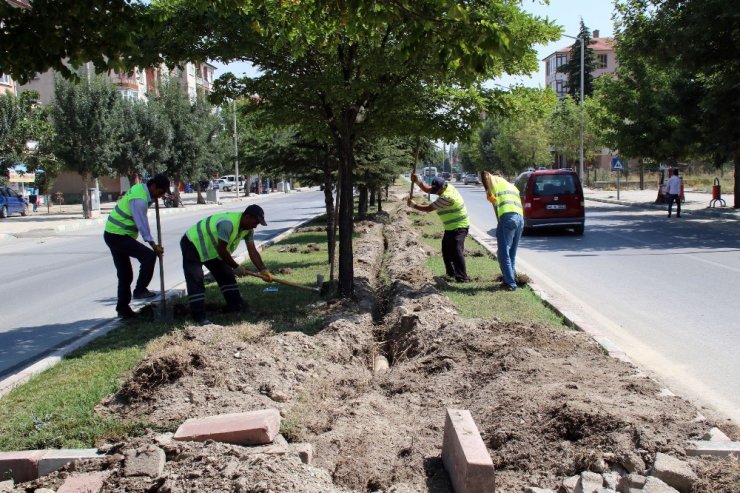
pixel 471 178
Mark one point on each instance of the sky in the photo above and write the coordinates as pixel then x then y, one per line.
pixel 567 13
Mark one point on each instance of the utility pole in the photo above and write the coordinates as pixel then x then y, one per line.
pixel 236 149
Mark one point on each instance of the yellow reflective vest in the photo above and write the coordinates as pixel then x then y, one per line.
pixel 120 221
pixel 204 234
pixel 455 215
pixel 505 196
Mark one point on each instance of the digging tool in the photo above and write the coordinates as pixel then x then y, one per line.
pixel 413 167
pixel 317 289
pixel 161 314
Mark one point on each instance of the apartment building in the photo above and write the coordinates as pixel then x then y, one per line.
pixel 606 63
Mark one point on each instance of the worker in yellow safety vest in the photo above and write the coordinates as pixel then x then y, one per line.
pixel 127 219
pixel 210 242
pixel 508 207
pixel 450 207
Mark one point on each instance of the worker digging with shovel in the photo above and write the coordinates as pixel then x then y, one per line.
pixel 210 242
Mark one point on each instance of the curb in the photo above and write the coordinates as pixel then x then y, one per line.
pixel 58 353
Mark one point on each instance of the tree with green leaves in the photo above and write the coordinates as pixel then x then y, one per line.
pixel 146 138
pixel 342 66
pixel 573 67
pixel 87 128
pixel 690 43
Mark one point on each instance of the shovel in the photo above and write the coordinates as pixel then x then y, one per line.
pixel 161 313
pixel 317 289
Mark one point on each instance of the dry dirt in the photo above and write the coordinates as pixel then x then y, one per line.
pixel 549 403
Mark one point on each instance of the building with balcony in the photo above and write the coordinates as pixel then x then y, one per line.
pixel 606 63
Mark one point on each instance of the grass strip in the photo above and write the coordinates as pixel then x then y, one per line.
pixel 481 298
pixel 56 408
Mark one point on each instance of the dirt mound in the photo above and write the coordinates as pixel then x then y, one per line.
pixel 549 403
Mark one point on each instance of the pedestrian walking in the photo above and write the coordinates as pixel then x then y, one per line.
pixel 508 207
pixel 451 209
pixel 127 219
pixel 673 190
pixel 210 242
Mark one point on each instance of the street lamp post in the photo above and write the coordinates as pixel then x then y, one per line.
pixel 580 38
pixel 236 149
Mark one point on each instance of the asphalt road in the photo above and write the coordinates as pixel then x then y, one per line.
pixel 56 286
pixel 666 291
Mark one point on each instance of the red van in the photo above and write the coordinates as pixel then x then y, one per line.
pixel 552 198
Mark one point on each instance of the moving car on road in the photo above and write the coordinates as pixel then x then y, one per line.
pixel 552 198
pixel 12 203
pixel 471 178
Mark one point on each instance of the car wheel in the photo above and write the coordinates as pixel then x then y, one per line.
pixel 24 211
pixel 579 229
pixel 4 212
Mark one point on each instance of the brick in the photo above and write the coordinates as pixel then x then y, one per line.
pixel 304 451
pixel 89 482
pixel 55 459
pixel 20 466
pixel 252 428
pixel 673 472
pixel 716 448
pixel 465 456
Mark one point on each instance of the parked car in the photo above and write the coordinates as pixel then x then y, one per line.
pixel 231 180
pixel 552 198
pixel 12 203
pixel 222 184
pixel 471 178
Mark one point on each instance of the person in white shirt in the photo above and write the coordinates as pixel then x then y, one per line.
pixel 673 190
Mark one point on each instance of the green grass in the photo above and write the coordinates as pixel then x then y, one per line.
pixel 56 408
pixel 482 298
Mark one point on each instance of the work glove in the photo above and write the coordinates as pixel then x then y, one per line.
pixel 415 178
pixel 158 249
pixel 491 198
pixel 241 271
pixel 266 275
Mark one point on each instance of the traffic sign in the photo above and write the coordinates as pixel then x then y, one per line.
pixel 617 163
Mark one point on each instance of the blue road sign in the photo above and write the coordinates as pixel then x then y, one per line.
pixel 617 163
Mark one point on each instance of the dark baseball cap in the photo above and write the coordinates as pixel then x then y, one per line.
pixel 256 211
pixel 437 184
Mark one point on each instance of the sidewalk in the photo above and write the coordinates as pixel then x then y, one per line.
pixel 57 218
pixel 696 204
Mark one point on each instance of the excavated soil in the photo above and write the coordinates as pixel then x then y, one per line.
pixel 549 403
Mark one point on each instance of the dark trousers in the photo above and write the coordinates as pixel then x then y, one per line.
pixel 677 198
pixel 123 247
pixel 453 252
pixel 194 280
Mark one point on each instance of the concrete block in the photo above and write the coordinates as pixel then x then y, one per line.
pixel 611 480
pixel 20 466
pixel 715 448
pixel 673 472
pixel 465 456
pixel 716 435
pixel 55 459
pixel 589 482
pixel 569 484
pixel 89 482
pixel 304 451
pixel 631 482
pixel 251 428
pixel 655 485
pixel 533 489
pixel 146 461
pixel 6 486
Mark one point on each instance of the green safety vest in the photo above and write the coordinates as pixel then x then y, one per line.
pixel 507 197
pixel 454 215
pixel 120 221
pixel 204 235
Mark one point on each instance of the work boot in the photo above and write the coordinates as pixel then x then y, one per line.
pixel 127 314
pixel 144 294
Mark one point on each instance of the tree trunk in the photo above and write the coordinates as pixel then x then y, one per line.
pixel 380 200
pixel 362 206
pixel 737 179
pixel 86 205
pixel 247 185
pixel 642 177
pixel 372 197
pixel 201 199
pixel 329 206
pixel 346 206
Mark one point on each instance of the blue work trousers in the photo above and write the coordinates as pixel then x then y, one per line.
pixel 508 233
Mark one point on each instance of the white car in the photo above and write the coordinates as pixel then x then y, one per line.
pixel 222 184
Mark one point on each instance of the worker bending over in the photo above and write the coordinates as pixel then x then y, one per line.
pixel 508 207
pixel 451 209
pixel 211 242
